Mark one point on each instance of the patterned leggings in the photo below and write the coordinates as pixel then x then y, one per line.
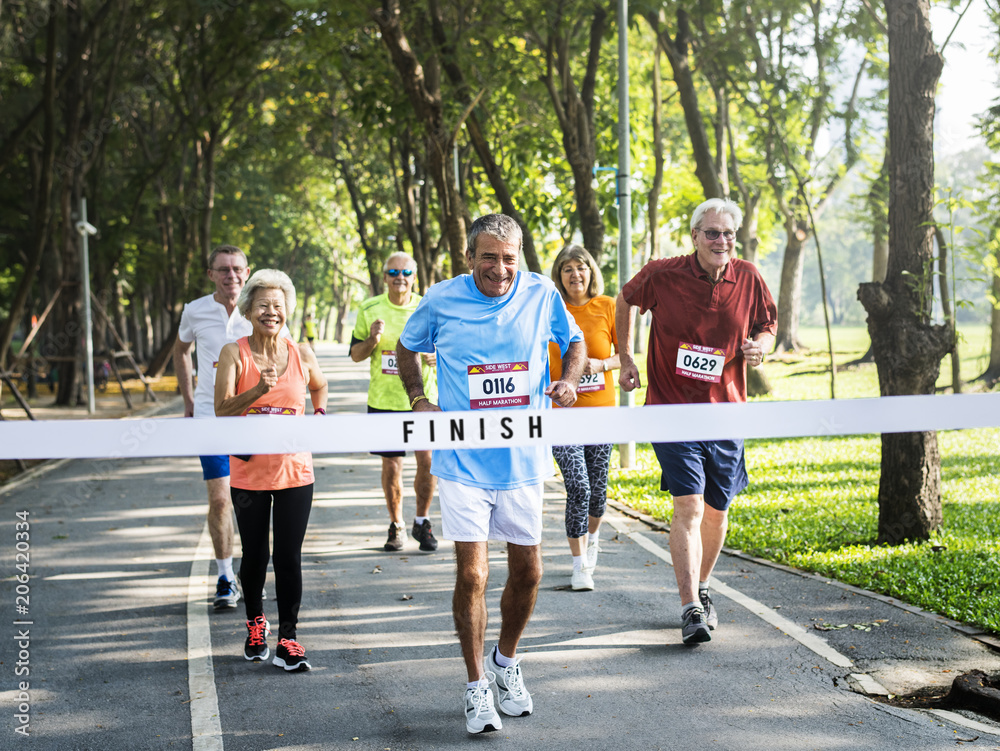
pixel 585 472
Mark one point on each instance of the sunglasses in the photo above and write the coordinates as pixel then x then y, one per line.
pixel 397 272
pixel 713 234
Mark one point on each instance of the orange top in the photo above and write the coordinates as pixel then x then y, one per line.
pixel 596 318
pixel 288 397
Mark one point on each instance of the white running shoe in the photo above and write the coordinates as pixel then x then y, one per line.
pixel 480 716
pixel 512 696
pixel 593 548
pixel 582 581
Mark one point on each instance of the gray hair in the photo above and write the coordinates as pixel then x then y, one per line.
pixel 267 279
pixel 717 206
pixel 410 262
pixel 578 253
pixel 227 250
pixel 500 226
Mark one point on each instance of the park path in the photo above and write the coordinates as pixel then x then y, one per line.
pixel 124 651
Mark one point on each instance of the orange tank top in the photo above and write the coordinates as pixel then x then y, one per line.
pixel 288 397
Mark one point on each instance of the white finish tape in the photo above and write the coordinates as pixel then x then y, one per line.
pixel 346 433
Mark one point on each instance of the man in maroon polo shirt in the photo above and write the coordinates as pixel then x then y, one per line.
pixel 712 315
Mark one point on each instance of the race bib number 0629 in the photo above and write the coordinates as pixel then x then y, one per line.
pixel 700 363
pixel 503 384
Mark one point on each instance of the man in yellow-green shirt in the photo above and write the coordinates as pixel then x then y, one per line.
pixel 380 322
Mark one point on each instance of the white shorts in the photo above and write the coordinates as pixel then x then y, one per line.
pixel 471 514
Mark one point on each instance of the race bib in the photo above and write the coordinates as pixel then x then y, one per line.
pixel 389 364
pixel 592 382
pixel 265 410
pixel 503 384
pixel 700 363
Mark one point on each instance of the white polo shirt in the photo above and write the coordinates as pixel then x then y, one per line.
pixel 204 322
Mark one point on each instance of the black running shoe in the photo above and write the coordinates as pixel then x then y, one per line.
pixel 422 533
pixel 255 649
pixel 694 629
pixel 291 656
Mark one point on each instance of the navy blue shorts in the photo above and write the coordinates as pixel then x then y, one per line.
pixel 213 467
pixel 387 454
pixel 713 469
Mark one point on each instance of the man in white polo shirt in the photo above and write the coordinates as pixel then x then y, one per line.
pixel 209 323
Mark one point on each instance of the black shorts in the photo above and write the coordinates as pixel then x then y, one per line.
pixel 387 454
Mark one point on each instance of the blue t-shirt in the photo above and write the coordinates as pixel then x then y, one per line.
pixel 492 353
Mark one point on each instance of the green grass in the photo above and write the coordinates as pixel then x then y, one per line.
pixel 812 502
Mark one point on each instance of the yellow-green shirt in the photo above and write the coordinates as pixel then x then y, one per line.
pixel 386 389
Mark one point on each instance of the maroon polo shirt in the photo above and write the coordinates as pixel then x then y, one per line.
pixel 703 325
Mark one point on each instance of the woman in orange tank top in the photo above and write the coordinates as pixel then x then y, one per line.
pixel 266 374
pixel 585 468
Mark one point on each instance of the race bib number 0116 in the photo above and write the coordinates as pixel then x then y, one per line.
pixel 502 384
pixel 700 363
pixel 591 382
pixel 389 365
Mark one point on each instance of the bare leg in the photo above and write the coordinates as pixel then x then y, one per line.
pixel 469 603
pixel 594 523
pixel 524 564
pixel 713 534
pixel 577 545
pixel 424 483
pixel 685 544
pixel 392 486
pixel 220 516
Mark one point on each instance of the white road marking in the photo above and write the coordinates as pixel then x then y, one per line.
pixel 206 727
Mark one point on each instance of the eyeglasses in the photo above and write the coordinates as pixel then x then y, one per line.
pixel 713 234
pixel 230 270
pixel 397 272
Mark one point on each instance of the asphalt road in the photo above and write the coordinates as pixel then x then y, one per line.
pixel 120 649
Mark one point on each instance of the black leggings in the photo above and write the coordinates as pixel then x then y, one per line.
pixel 291 515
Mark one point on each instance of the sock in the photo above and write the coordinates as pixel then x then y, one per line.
pixel 499 659
pixel 594 537
pixel 703 586
pixel 472 684
pixel 578 561
pixel 225 567
pixel 685 608
pixel 418 520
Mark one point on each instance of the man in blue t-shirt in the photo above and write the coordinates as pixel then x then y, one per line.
pixel 488 327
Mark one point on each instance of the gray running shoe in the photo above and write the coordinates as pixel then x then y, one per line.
pixel 480 716
pixel 512 696
pixel 396 539
pixel 693 628
pixel 227 594
pixel 711 614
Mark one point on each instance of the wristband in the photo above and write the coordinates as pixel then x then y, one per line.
pixel 417 399
pixel 319 411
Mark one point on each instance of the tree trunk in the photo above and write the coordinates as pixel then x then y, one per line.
pixel 992 373
pixel 947 309
pixel 425 97
pixel 474 128
pixel 574 108
pixel 43 190
pixel 706 165
pixel 908 348
pixel 790 294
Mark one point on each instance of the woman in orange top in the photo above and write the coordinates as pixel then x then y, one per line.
pixel 266 374
pixel 585 468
